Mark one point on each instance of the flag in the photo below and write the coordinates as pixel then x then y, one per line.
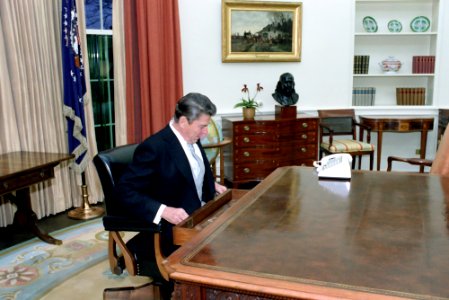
pixel 74 85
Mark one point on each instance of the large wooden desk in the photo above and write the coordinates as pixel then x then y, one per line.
pixel 20 170
pixel 380 124
pixel 379 236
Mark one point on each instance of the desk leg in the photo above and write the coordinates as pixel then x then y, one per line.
pixel 379 148
pixel 422 151
pixel 27 218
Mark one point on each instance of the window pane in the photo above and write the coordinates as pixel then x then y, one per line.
pixel 107 14
pixel 99 49
pixel 98 14
pixel 92 11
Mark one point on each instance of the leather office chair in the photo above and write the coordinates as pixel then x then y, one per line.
pixel 213 146
pixel 439 165
pixel 341 122
pixel 110 165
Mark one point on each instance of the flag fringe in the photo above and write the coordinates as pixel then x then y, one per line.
pixel 82 147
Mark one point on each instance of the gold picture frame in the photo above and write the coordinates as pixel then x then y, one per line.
pixel 261 31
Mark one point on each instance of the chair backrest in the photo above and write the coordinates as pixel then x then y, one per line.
pixel 341 121
pixel 440 164
pixel 110 165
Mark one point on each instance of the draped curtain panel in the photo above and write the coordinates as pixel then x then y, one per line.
pixel 118 48
pixel 31 117
pixel 153 65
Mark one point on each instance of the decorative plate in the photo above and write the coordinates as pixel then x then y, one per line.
pixel 369 24
pixel 394 26
pixel 420 24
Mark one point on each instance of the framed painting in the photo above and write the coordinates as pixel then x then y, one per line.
pixel 261 31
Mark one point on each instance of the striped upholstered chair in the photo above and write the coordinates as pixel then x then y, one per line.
pixel 338 134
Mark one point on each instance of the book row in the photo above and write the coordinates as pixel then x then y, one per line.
pixel 423 64
pixel 363 96
pixel 361 64
pixel 411 96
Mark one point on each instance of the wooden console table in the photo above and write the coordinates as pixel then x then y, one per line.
pixel 381 124
pixel 379 236
pixel 20 170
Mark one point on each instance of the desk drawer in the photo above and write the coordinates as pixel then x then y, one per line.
pixel 25 179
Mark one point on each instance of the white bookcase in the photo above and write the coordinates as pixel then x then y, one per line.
pixel 401 45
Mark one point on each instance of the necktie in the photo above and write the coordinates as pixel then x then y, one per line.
pixel 198 174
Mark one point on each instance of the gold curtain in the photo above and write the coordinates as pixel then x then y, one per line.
pixel 31 116
pixel 118 48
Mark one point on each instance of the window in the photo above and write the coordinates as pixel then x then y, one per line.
pixel 99 48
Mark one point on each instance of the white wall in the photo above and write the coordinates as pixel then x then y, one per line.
pixel 322 77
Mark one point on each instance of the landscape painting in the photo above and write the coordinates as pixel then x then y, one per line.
pixel 261 31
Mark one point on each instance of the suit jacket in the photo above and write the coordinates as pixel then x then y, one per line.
pixel 160 174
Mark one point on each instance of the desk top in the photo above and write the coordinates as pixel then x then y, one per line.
pixel 381 235
pixel 15 162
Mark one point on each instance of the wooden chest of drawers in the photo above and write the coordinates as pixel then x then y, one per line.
pixel 260 146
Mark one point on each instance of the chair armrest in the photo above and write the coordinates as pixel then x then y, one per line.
pixel 365 127
pixel 411 160
pixel 331 132
pixel 362 130
pixel 119 223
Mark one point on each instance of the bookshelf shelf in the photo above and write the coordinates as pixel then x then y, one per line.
pixel 394 75
pixel 406 46
pixel 394 34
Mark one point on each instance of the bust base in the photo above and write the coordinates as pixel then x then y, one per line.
pixel 285 112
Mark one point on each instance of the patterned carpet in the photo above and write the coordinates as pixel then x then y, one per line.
pixel 76 269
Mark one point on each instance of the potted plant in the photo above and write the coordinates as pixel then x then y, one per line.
pixel 248 103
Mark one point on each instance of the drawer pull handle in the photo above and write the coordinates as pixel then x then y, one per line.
pixel 303 149
pixel 5 185
pixel 246 139
pixel 246 154
pixel 304 136
pixel 246 128
pixel 246 170
pixel 42 174
pixel 305 125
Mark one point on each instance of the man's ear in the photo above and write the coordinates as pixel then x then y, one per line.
pixel 183 122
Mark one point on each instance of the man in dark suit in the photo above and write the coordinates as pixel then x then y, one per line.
pixel 166 182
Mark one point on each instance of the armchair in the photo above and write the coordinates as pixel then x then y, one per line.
pixel 439 165
pixel 341 122
pixel 110 165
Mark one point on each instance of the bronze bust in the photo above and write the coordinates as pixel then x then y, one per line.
pixel 285 93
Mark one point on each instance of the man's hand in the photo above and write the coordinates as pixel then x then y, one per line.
pixel 174 215
pixel 220 189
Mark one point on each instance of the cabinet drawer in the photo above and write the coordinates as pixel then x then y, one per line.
pixel 308 137
pixel 305 125
pixel 254 171
pixel 260 140
pixel 256 128
pixel 305 151
pixel 286 151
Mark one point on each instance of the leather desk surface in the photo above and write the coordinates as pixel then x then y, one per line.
pixel 381 235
